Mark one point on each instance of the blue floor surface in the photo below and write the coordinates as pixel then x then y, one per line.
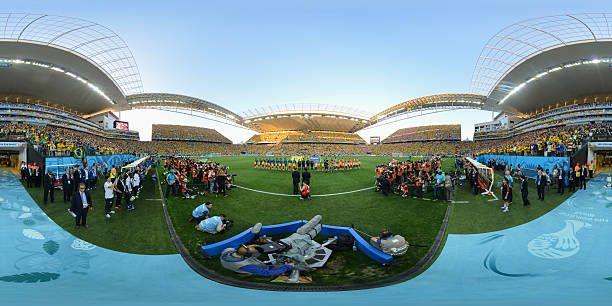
pixel 562 258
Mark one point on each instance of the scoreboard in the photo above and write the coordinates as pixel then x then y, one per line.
pixel 121 125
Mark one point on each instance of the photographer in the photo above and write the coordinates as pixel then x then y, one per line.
pixel 213 225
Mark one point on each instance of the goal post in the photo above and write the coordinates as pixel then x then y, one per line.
pixel 485 178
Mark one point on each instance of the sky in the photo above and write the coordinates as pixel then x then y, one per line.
pixel 364 54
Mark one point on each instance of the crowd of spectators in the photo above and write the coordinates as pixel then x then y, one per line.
pixel 415 148
pixel 574 114
pixel 306 137
pixel 557 141
pixel 58 141
pixel 591 107
pixel 44 114
pixel 186 133
pixel 426 133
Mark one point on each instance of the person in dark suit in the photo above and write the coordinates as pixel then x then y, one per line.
pixel 81 203
pixel 540 184
pixel 24 171
pixel 295 175
pixel 561 181
pixel 584 172
pixel 66 185
pixel 49 187
pixel 30 176
pixel 306 177
pixel 37 177
pixel 525 190
pixel 76 177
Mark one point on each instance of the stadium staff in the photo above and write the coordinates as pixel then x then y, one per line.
pixel 306 177
pixel 583 177
pixel 81 203
pixel 540 184
pixel 525 190
pixel 561 181
pixel 49 187
pixel 295 175
pixel 109 197
pixel 24 171
pixel 66 185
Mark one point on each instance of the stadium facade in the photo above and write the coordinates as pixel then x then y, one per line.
pixel 73 73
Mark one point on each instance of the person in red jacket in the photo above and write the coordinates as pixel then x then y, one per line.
pixel 305 192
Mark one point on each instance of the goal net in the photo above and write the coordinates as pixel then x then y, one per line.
pixel 485 178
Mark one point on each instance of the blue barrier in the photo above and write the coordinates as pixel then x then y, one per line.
pixel 59 164
pixel 290 227
pixel 361 244
pixel 528 164
pixel 283 228
pixel 234 242
pixel 246 237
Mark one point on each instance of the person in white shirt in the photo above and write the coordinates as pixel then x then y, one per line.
pixel 129 199
pixel 136 184
pixel 85 179
pixel 109 195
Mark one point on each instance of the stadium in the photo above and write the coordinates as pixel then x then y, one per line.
pixel 306 204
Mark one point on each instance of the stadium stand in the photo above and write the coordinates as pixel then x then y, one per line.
pixel 580 113
pixel 14 110
pixel 51 140
pixel 560 140
pixel 306 137
pixel 270 137
pixel 426 133
pixel 187 133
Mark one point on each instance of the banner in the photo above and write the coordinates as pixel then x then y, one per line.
pixel 59 164
pixel 529 164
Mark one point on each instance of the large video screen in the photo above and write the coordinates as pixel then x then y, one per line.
pixel 121 125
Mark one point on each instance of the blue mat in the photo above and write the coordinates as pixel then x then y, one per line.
pixel 562 258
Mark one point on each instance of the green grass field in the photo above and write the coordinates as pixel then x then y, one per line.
pixel 144 231
pixel 369 211
pixel 481 215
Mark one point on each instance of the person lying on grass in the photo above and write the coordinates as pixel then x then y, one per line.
pixel 212 225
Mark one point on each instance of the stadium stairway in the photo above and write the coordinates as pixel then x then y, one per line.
pixel 561 258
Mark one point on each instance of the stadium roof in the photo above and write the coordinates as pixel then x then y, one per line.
pixel 305 117
pixel 81 63
pixel 440 101
pixel 169 101
pixel 542 61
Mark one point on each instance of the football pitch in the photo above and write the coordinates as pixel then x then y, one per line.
pixel 348 200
